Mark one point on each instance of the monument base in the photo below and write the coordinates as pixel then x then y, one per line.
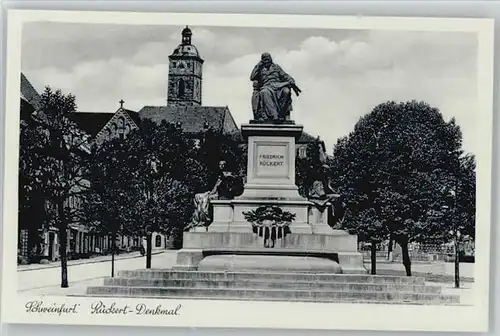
pixel 338 250
pixel 271 192
pixel 267 263
pixel 232 243
pixel 229 214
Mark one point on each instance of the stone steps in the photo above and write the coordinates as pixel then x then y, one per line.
pixel 265 284
pixel 269 276
pixel 267 299
pixel 300 287
pixel 268 294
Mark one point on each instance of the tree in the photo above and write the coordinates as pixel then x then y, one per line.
pixel 186 164
pixel 106 205
pixel 214 147
pixel 466 196
pixel 460 208
pixel 165 174
pixel 60 163
pixel 147 181
pixel 307 168
pixel 33 215
pixel 392 169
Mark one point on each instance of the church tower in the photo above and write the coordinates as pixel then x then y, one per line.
pixel 185 73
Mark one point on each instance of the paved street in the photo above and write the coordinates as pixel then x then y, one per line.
pixel 51 277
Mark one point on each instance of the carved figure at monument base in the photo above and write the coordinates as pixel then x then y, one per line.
pixel 321 192
pixel 226 187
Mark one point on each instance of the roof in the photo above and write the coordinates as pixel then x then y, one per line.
pixel 134 115
pixel 91 122
pixel 28 92
pixel 186 48
pixel 183 50
pixel 306 138
pixel 192 118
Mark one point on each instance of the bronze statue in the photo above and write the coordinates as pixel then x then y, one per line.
pixel 226 187
pixel 321 191
pixel 272 97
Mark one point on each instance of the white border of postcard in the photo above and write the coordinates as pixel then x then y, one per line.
pixel 252 314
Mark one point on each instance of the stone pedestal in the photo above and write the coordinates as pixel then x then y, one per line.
pixel 271 161
pixel 319 221
pixel 228 214
pixel 270 180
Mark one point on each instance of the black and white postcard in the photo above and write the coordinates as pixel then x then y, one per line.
pixel 247 171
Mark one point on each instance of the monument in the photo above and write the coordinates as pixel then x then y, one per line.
pixel 268 242
pixel 220 238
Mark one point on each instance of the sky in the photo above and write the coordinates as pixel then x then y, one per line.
pixel 343 74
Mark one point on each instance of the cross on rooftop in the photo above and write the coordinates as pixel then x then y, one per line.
pixel 121 103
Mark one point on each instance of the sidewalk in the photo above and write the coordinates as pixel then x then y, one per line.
pixel 432 271
pixel 51 277
pixel 98 259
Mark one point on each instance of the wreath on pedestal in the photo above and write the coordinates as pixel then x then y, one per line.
pixel 269 214
pixel 270 222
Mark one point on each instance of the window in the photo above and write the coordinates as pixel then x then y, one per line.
pixel 197 143
pixel 302 152
pixel 182 88
pixel 158 241
pixel 76 202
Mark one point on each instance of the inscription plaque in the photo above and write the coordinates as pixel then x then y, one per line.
pixel 272 161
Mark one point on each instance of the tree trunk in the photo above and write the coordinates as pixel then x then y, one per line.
pixel 178 237
pixel 406 256
pixel 374 258
pixel 149 249
pixel 457 260
pixel 63 246
pixel 390 253
pixel 113 249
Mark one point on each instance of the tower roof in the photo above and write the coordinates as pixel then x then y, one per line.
pixel 186 48
pixel 186 32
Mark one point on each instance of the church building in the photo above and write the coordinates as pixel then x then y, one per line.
pixel 184 102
